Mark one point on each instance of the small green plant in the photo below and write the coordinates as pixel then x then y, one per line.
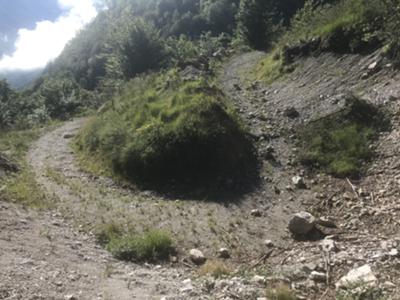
pixel 151 246
pixel 360 291
pixel 215 268
pixel 281 292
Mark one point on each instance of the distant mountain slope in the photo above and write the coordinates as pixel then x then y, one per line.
pixel 21 79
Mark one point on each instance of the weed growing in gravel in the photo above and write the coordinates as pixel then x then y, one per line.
pixel 360 291
pixel 215 268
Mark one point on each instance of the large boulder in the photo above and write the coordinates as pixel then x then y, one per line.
pixel 302 223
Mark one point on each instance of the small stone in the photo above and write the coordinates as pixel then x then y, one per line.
pixel 363 274
pixel 318 276
pixel 70 297
pixel 68 135
pixel 256 213
pixel 394 253
pixel 269 243
pixel 302 223
pixel 298 182
pixel 258 279
pixel 197 257
pixel 373 65
pixel 224 253
pixel 328 245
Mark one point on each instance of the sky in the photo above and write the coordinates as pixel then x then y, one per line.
pixel 34 32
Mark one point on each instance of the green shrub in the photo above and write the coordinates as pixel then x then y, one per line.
pixel 341 143
pixel 282 292
pixel 151 246
pixel 165 130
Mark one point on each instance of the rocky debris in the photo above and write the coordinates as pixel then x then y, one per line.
pixel 361 275
pixel 299 182
pixel 326 222
pixel 7 165
pixel 302 223
pixel 224 253
pixel 197 256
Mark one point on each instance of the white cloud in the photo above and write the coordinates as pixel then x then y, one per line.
pixel 35 48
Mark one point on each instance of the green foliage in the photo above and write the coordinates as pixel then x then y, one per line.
pixel 163 129
pixel 140 48
pixel 152 246
pixel 360 291
pixel 346 26
pixel 341 144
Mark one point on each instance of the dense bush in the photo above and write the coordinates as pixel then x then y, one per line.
pixel 163 130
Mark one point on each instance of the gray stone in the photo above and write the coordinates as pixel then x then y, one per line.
pixel 302 223
pixel 197 256
pixel 298 182
pixel 224 253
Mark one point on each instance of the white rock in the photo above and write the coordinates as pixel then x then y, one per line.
pixel 328 245
pixel 258 279
pixel 197 256
pixel 224 253
pixel 302 223
pixel 298 182
pixel 362 275
pixel 268 243
pixel 394 253
pixel 318 276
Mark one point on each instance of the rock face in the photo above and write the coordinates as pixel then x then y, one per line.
pixel 197 256
pixel 362 275
pixel 302 223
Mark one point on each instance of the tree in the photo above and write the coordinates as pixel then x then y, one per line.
pixel 259 20
pixel 140 48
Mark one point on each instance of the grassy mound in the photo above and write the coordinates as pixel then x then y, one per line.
pixel 165 130
pixel 341 143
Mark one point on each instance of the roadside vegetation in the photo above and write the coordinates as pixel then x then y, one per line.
pixel 345 26
pixel 150 246
pixel 341 144
pixel 20 186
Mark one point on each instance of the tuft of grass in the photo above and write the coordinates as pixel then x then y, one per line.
pixel 215 268
pixel 270 68
pixel 153 245
pixel 341 144
pixel 282 292
pixel 165 130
